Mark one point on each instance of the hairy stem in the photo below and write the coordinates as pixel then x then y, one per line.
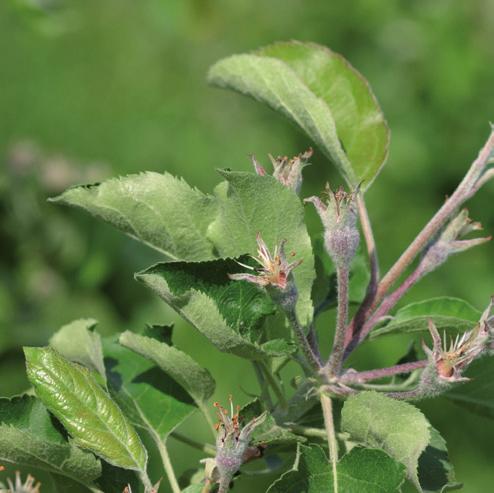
pixel 310 355
pixel 327 409
pixel 207 448
pixel 170 473
pixel 265 395
pixel 146 482
pixel 337 353
pixel 365 376
pixel 274 384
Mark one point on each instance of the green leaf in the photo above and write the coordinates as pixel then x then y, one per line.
pixel 160 210
pixel 79 342
pixel 259 204
pixel 323 94
pixel 399 428
pixel 87 412
pixel 445 312
pixel 152 400
pixel 29 438
pixel 436 474
pixel 229 313
pixel 360 471
pixel 268 432
pixel 477 396
pixel 197 381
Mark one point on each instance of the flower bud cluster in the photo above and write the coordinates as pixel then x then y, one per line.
pixel 339 218
pixel 287 171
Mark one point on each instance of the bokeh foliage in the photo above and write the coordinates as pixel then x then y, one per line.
pixel 91 89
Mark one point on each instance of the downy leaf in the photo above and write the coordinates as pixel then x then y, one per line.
pixel 160 210
pixel 360 471
pixel 229 313
pixel 259 204
pixel 29 438
pixel 399 428
pixel 197 381
pixel 323 94
pixel 445 312
pixel 79 342
pixel 153 401
pixel 87 412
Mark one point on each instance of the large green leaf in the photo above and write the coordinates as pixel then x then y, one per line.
pixel 436 474
pixel 477 395
pixel 445 312
pixel 197 381
pixel 158 209
pixel 79 342
pixel 323 94
pixel 152 400
pixel 91 417
pixel 229 313
pixel 259 204
pixel 360 471
pixel 375 420
pixel 29 438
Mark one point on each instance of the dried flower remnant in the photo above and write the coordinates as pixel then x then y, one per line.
pixel 287 171
pixel 339 218
pixel 275 268
pixel 29 486
pixel 233 446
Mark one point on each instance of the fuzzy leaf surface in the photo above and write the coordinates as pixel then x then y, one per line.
pixel 152 400
pixel 323 94
pixel 79 342
pixel 197 381
pixel 259 204
pixel 229 313
pixel 399 428
pixel 360 471
pixel 29 438
pixel 160 210
pixel 87 412
pixel 446 312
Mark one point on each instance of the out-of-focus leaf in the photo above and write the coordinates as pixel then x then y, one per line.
pixel 323 94
pixel 229 313
pixel 153 401
pixel 197 381
pixel 87 412
pixel 477 395
pixel 79 342
pixel 360 471
pixel 268 432
pixel 259 204
pixel 29 438
pixel 436 473
pixel 399 428
pixel 160 210
pixel 445 312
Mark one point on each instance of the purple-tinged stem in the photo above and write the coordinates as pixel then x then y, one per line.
pixel 365 376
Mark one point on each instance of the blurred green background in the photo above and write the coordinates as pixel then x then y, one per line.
pixel 90 89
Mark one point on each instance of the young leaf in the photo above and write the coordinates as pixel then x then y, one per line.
pixel 436 474
pixel 152 400
pixel 360 471
pixel 87 412
pixel 79 342
pixel 197 381
pixel 229 313
pixel 157 209
pixel 477 396
pixel 29 438
pixel 399 428
pixel 259 204
pixel 323 94
pixel 445 312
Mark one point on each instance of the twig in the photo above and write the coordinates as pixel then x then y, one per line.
pixel 278 391
pixel 165 459
pixel 364 376
pixel 327 409
pixel 311 356
pixel 265 395
pixel 203 447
